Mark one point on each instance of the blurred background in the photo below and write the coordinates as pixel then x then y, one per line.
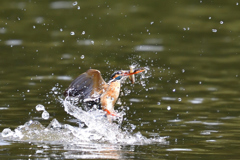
pixel 190 92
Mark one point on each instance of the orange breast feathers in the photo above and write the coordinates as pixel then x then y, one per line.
pixel 110 96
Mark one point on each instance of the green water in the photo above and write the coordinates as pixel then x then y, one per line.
pixel 191 95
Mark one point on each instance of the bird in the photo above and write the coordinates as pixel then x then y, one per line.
pixel 90 88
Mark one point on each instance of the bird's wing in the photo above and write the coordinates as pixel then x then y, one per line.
pixel 88 85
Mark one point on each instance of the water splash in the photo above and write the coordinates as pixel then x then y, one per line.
pixel 40 107
pixel 92 125
pixel 98 130
pixel 45 114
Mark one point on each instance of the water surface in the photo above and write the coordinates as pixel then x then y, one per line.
pixel 190 94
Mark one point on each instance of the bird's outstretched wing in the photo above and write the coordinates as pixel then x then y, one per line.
pixel 88 85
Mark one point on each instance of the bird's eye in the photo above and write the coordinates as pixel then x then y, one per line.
pixel 115 74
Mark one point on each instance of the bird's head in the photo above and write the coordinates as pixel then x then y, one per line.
pixel 122 74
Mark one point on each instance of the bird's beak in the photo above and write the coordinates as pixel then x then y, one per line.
pixel 136 71
pixel 132 72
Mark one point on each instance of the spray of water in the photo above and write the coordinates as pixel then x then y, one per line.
pixel 96 128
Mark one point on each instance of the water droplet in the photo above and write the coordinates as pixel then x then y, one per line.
pixel 82 56
pixel 40 107
pixel 168 108
pixel 72 33
pixel 214 30
pixel 45 115
pixel 75 3
pixel 7 132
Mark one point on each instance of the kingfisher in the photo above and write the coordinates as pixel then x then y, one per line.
pixel 90 88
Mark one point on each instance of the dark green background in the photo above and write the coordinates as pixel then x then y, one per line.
pixel 195 70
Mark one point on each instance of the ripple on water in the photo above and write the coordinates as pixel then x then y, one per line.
pixel 175 120
pixel 211 140
pixel 134 100
pixel 212 123
pixel 208 132
pixel 196 100
pixel 205 123
pixel 13 42
pixel 179 149
pixel 61 5
pixel 3 108
pixel 149 48
pixel 169 98
pixel 86 42
pixel 65 78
